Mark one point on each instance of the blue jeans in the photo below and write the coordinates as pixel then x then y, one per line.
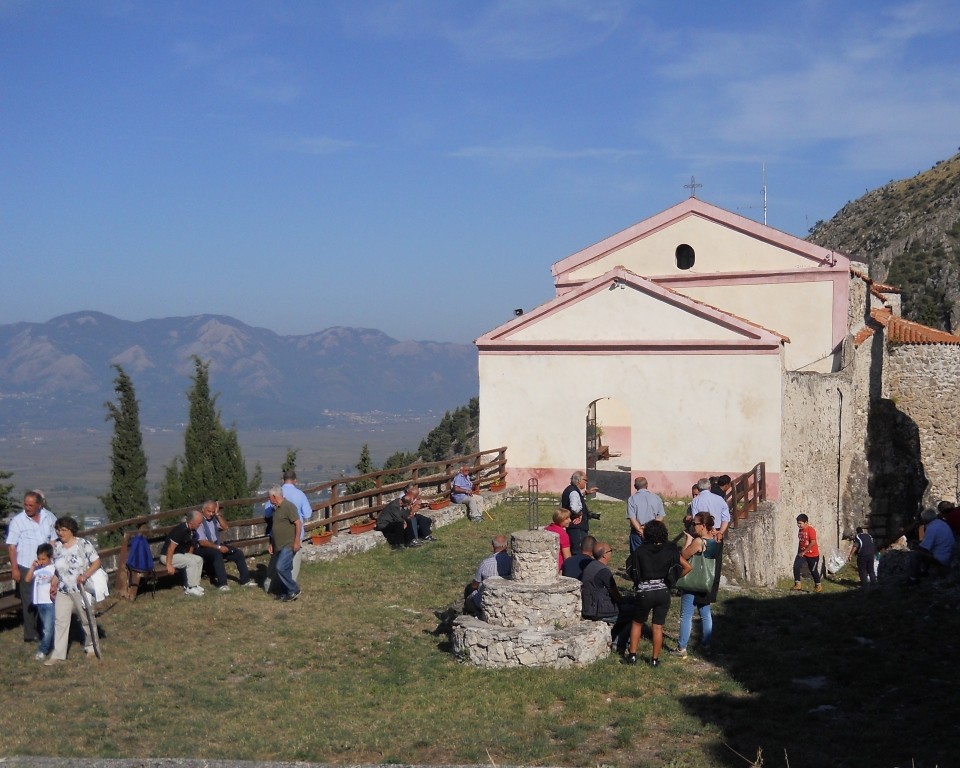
pixel 686 621
pixel 285 571
pixel 635 540
pixel 45 613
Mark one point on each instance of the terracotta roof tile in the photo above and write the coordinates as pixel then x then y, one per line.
pixel 900 331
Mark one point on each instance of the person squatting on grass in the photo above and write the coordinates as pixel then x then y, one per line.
pixel 808 551
pixel 650 565
pixel 700 541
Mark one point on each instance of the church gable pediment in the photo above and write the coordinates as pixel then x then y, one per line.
pixel 695 241
pixel 621 311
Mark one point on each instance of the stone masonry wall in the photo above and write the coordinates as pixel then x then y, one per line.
pixel 923 380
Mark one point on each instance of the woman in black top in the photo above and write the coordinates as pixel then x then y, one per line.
pixel 649 565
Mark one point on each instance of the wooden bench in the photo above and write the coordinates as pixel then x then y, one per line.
pixel 9 604
pixel 127 580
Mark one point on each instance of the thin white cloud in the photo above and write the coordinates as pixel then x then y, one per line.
pixel 519 154
pixel 523 30
pixel 862 83
pixel 318 145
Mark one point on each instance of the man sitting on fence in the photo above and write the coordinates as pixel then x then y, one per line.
pixel 178 552
pixel 463 493
pixel 214 552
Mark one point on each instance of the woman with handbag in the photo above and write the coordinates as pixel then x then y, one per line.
pixel 76 560
pixel 698 589
pixel 651 566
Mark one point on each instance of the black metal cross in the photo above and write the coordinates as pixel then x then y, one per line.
pixel 693 186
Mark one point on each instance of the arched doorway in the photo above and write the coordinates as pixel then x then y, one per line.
pixel 608 435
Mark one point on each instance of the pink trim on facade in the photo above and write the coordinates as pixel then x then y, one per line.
pixel 673 484
pixel 696 207
pixel 628 348
pixel 751 332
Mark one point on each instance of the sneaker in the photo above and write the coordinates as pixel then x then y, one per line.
pixel 224 588
pixel 193 591
pixel 629 658
pixel 51 662
pixel 428 538
pixel 289 597
pixel 818 588
pixel 415 543
pixel 797 587
pixel 40 656
pixel 90 653
pixel 654 662
pixel 680 653
pixel 250 583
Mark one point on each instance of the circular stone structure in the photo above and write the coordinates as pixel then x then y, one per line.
pixel 532 619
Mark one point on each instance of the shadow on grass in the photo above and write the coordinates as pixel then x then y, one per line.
pixel 843 678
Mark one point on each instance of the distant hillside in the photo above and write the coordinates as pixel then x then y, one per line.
pixel 58 373
pixel 909 233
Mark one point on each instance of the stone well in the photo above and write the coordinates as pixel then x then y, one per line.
pixel 533 618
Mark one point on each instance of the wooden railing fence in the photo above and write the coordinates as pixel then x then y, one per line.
pixel 746 493
pixel 333 507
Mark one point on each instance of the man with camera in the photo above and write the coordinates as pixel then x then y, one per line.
pixel 580 515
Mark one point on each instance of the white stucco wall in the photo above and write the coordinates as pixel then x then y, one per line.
pixel 622 314
pixel 718 249
pixel 802 311
pixel 691 413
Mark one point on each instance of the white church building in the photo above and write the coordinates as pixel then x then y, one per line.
pixel 699 342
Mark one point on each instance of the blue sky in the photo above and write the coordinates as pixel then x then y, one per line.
pixel 418 166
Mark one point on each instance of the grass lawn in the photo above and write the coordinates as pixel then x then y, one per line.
pixel 353 672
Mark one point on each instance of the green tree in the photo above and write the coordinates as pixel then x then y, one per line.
pixel 212 465
pixel 290 463
pixel 397 460
pixel 128 474
pixel 8 504
pixel 363 466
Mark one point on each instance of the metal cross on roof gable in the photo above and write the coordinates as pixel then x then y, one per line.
pixel 693 186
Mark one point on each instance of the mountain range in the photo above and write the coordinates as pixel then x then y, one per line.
pixel 58 374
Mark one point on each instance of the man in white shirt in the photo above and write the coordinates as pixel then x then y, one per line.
pixel 27 531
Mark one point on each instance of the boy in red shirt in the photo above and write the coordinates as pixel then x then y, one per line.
pixel 808 552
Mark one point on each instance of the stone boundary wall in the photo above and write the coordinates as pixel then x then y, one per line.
pixel 923 380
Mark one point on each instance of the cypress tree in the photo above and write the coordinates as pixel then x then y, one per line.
pixel 212 465
pixel 128 475
pixel 290 464
pixel 8 504
pixel 363 466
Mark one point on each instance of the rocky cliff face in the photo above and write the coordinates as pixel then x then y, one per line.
pixel 909 233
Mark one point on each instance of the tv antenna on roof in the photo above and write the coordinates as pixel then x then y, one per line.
pixel 693 186
pixel 764 193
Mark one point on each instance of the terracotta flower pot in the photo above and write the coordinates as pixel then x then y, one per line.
pixel 320 538
pixel 498 487
pixel 362 527
pixel 440 504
